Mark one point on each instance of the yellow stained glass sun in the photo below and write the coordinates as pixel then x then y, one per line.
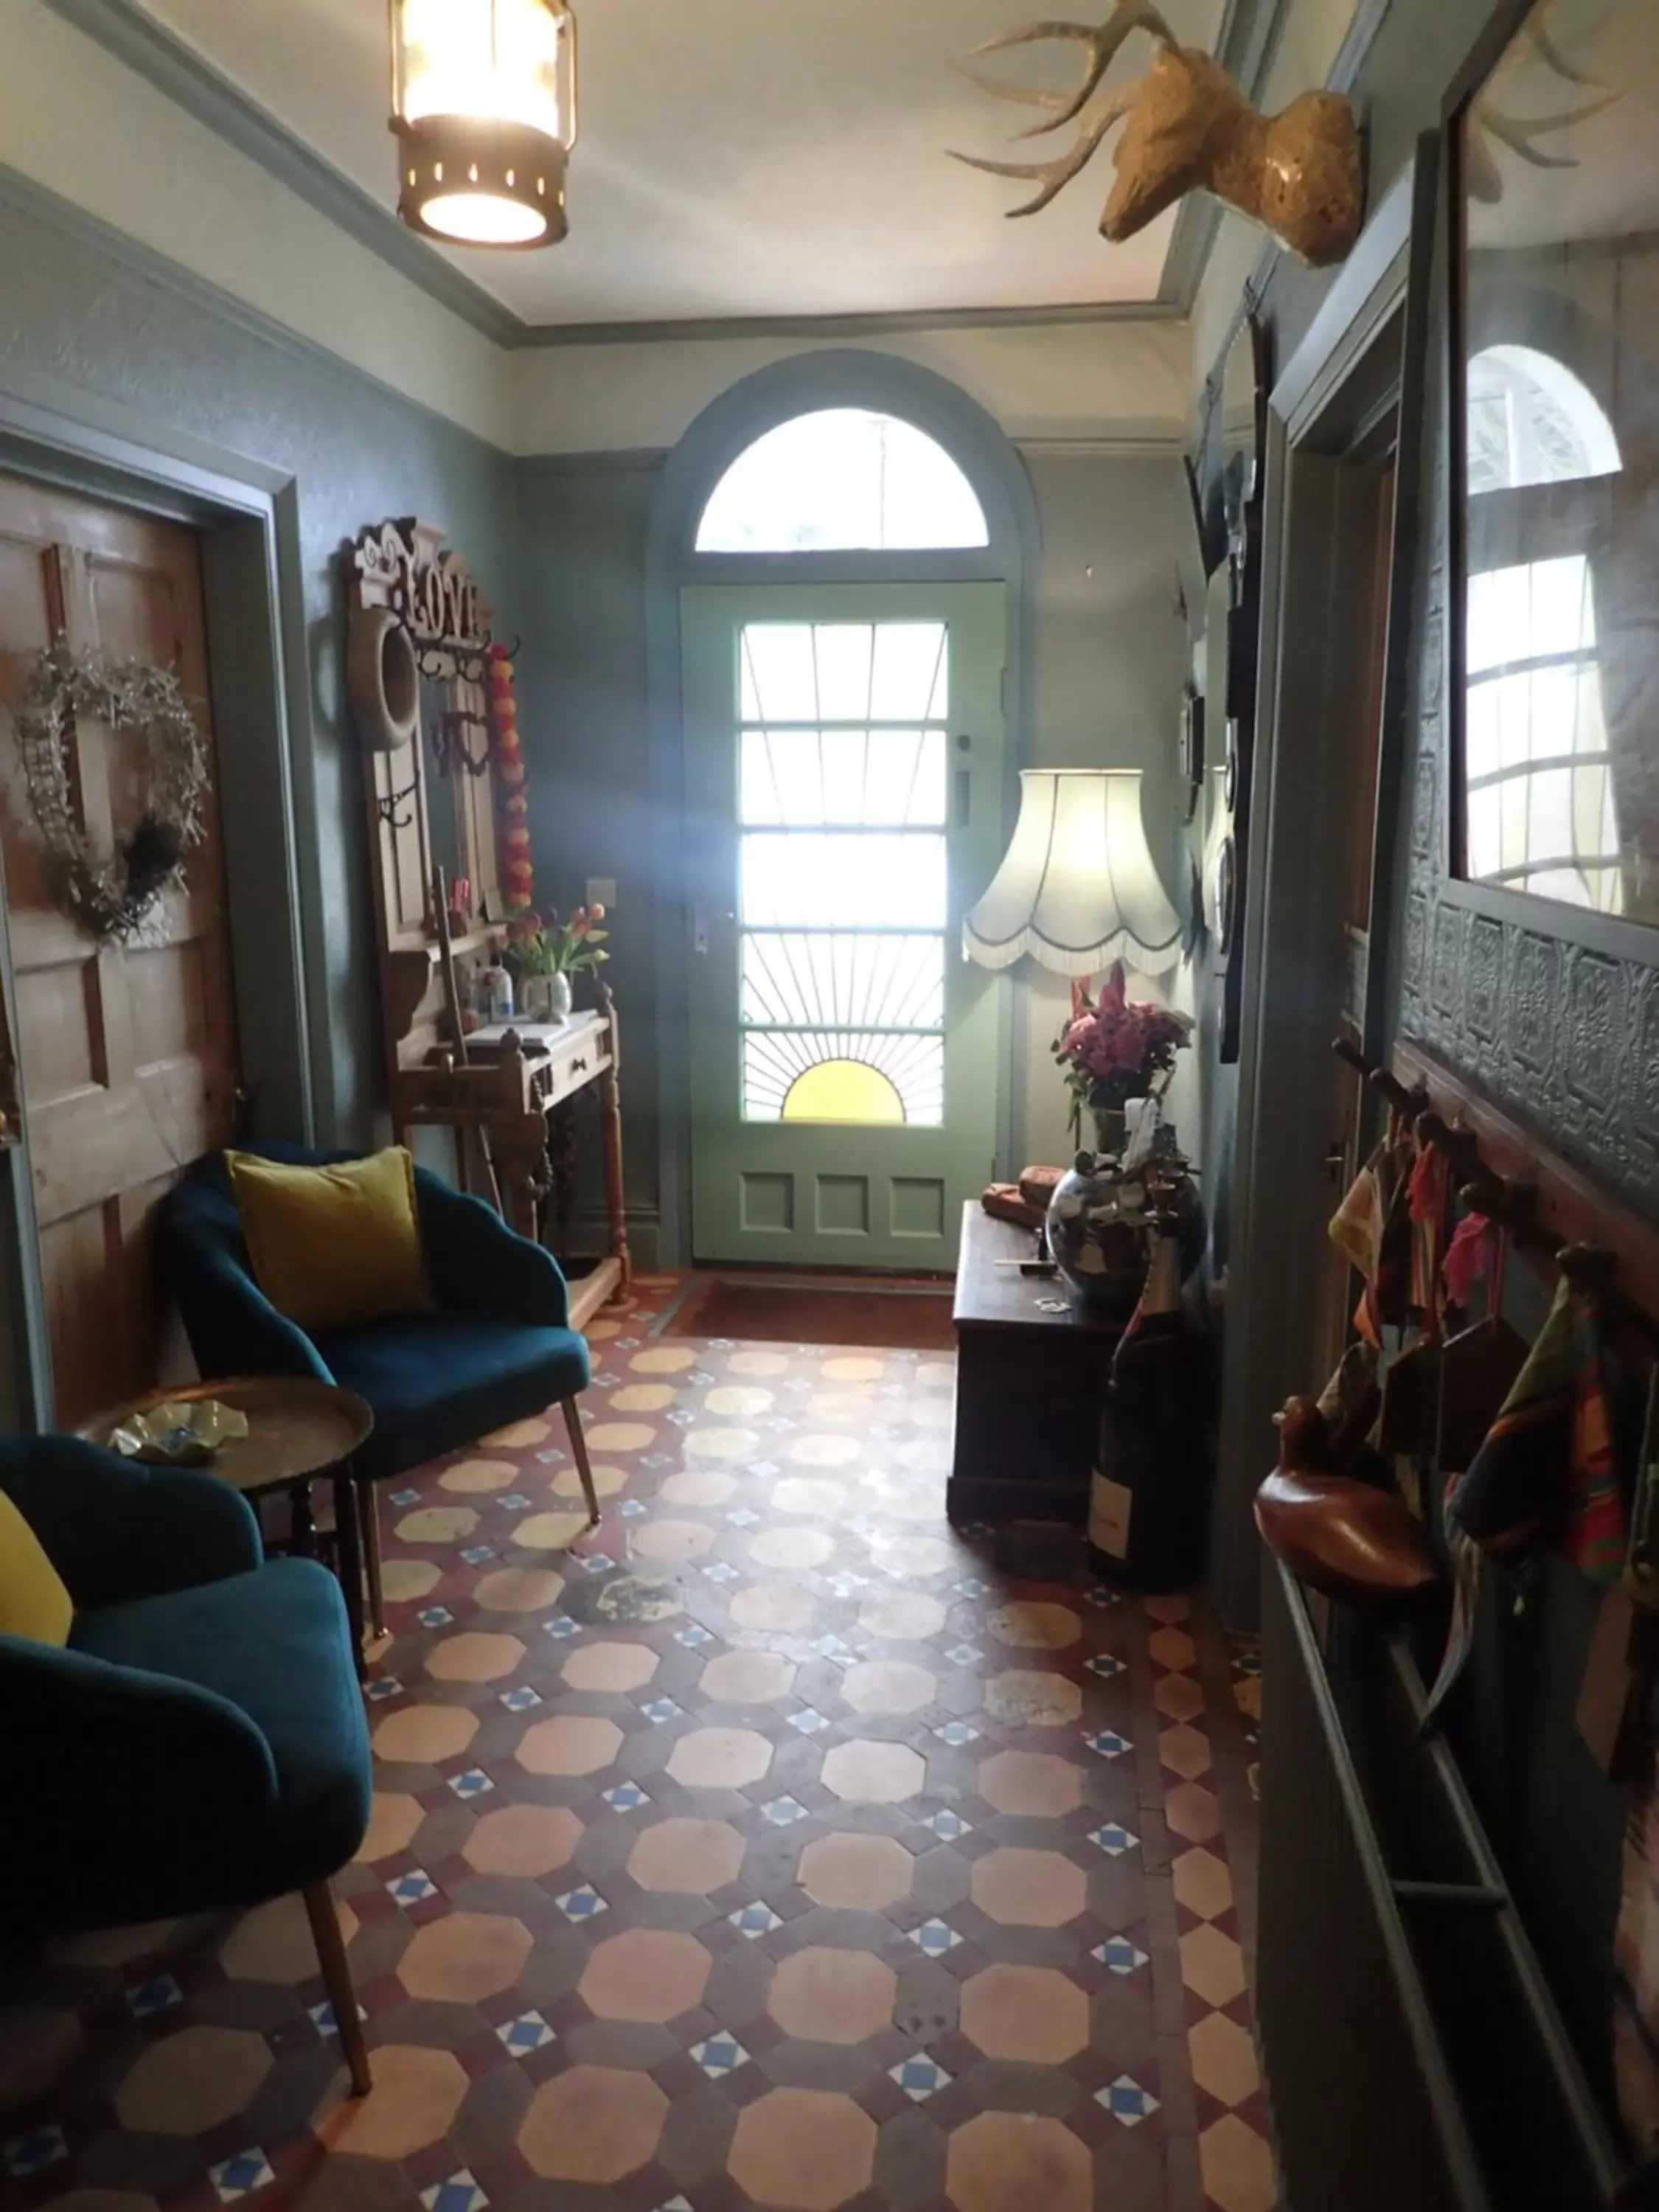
pixel 843 1090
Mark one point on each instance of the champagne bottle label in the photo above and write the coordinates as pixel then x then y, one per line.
pixel 1110 1504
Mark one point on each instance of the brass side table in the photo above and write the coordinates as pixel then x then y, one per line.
pixel 301 1431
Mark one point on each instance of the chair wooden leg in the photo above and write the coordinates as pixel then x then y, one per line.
pixel 573 1422
pixel 369 1513
pixel 336 1980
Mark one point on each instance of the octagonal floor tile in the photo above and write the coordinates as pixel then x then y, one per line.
pixel 549 1532
pixel 826 1996
pixel 465 1957
pixel 570 1743
pixel 1238 2167
pixel 778 1608
pixel 1224 2059
pixel 807 2150
pixel 793 1550
pixel 612 1667
pixel 196 2080
pixel 693 1857
pixel 642 1398
pixel 1032 2012
pixel 593 2124
pixel 405 1580
pixel 699 1486
pixel 1172 1648
pixel 394 1818
pixel 664 1359
pixel 1039 1784
pixel 1212 1964
pixel 731 1402
pixel 476 1477
pixel 437 1524
pixel 1028 1889
pixel 1180 1696
pixel 888 1686
pixel 723 1446
pixel 1202 1883
pixel 1192 1811
pixel 720 1758
pixel 519 1589
pixel 525 1841
pixel 814 1498
pixel 273 1942
pixel 672 1541
pixel 607 1481
pixel 1001 2159
pixel 748 1678
pixel 1025 1697
pixel 1030 1626
pixel 865 1772
pixel 645 1974
pixel 475 1657
pixel 425 1735
pixel 621 1437
pixel 517 1435
pixel 416 2097
pixel 861 1873
pixel 901 1616
pixel 852 1367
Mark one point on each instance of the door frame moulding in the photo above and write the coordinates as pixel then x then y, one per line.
pixel 1376 313
pixel 247 518
pixel 834 377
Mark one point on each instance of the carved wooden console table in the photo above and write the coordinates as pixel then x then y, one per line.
pixel 419 642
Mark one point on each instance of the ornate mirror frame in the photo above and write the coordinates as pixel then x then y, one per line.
pixel 1542 918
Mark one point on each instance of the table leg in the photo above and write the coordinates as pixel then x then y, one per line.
pixel 611 1139
pixel 301 1524
pixel 348 1559
pixel 369 1513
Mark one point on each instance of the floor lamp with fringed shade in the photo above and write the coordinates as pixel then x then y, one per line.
pixel 1077 888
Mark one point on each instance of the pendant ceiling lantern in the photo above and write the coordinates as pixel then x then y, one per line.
pixel 484 103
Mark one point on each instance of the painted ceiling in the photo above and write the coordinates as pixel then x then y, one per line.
pixel 745 158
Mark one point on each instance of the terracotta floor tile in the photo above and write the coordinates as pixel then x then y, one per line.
pixel 425 1735
pixel 832 1996
pixel 865 1873
pixel 1041 1783
pixel 868 1773
pixel 1033 2012
pixel 393 1821
pixel 645 1974
pixel 527 1841
pixel 465 1957
pixel 692 1857
pixel 1237 2167
pixel 613 1667
pixel 593 2124
pixel 913 1859
pixel 1004 2159
pixel 1028 1889
pixel 807 2150
pixel 416 2097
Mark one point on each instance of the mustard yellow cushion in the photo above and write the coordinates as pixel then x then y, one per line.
pixel 33 1600
pixel 333 1245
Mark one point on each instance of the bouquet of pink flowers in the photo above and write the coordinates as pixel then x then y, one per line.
pixel 1113 1049
pixel 544 945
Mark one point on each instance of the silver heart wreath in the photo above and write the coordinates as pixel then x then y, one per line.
pixel 114 893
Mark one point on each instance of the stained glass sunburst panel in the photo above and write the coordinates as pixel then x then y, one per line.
pixel 843 798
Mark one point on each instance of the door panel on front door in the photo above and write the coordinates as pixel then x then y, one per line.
pixel 127 1055
pixel 844 754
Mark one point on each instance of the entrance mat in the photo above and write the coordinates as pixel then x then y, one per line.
pixel 757 1309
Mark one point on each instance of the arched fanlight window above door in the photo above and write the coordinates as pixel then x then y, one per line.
pixel 842 479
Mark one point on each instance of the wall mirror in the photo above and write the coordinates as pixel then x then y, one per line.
pixel 1554 339
pixel 1235 621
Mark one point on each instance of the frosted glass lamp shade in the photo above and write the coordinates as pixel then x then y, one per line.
pixel 1077 887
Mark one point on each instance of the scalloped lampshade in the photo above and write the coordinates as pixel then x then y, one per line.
pixel 1078 886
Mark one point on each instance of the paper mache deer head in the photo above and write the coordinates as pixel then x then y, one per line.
pixel 1189 125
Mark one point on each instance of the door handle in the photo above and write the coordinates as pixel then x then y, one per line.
pixel 700 931
pixel 1335 1162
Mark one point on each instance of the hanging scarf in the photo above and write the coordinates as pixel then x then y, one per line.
pixel 1372 1229
pixel 1548 1463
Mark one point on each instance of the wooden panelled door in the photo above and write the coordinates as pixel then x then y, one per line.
pixel 127 1055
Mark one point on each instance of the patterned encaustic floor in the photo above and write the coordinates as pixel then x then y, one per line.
pixel 760 1847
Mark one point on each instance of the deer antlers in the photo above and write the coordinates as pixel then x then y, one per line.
pixel 1521 136
pixel 1104 43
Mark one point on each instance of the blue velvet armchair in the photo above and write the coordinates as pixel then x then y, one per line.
pixel 200 1745
pixel 495 1347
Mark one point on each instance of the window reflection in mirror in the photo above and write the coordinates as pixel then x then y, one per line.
pixel 1559 355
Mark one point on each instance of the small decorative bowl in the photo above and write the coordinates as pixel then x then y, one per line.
pixel 184 1433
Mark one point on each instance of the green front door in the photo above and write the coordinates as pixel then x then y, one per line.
pixel 844 754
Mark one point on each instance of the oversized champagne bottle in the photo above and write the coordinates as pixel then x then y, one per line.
pixel 1149 1501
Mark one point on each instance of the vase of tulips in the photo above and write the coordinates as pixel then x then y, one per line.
pixel 543 954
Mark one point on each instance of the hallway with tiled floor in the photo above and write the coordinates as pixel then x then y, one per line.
pixel 762 1847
